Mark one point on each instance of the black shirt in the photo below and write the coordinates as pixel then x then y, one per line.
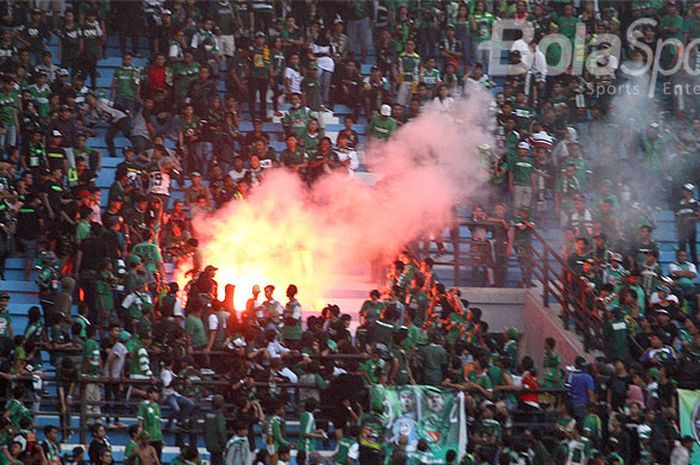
pixel 94 252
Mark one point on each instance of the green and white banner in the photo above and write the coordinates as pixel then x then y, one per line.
pixel 417 412
pixel 689 407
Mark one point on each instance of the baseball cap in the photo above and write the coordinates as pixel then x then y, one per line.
pixel 56 133
pixel 196 174
pixel 259 34
pixel 210 268
pixel 312 66
pixel 689 187
pixel 134 259
pixel 616 257
pixel 63 72
pixel 167 12
pixel 524 145
pixel 338 21
pixel 64 108
pixel 385 110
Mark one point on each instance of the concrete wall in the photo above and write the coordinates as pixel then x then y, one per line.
pixel 500 307
pixel 541 323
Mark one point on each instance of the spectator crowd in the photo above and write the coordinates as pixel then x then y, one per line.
pixel 234 89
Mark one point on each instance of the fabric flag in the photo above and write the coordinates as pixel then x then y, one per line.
pixel 423 412
pixel 689 402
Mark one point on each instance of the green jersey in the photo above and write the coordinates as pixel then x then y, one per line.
pixel 41 95
pixel 130 449
pixel 490 427
pixel 141 364
pixel 275 433
pixel 484 25
pixel 17 411
pixel 522 169
pixel 105 296
pixel 296 120
pixel 691 27
pixel 381 127
pixel 149 414
pixel 195 329
pixel 567 26
pixel 430 77
pixel 482 380
pixel 307 426
pixel 150 255
pixel 409 66
pixel 348 448
pixel 91 356
pixel 371 309
pixel 291 158
pixel 9 102
pixel 616 334
pixel 127 80
pixel 673 22
pixel 182 75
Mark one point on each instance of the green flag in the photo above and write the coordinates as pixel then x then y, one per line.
pixel 423 412
pixel 689 402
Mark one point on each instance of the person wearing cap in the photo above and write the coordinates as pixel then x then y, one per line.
pixel 521 176
pixel 55 153
pixel 687 215
pixel 615 273
pixel 381 125
pixel 197 189
pixel 9 106
pixel 259 76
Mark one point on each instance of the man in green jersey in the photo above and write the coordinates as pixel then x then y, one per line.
pixel 149 416
pixel 126 85
pixel 9 103
pixel 381 126
pixel 308 433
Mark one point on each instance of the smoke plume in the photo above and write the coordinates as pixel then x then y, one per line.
pixel 287 233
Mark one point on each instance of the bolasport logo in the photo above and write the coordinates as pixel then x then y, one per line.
pixel 600 56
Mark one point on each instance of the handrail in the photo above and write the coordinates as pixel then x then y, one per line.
pixel 559 281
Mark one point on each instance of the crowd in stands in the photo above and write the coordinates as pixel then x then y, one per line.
pixel 558 142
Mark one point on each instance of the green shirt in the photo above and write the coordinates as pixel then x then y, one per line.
pixel 141 363
pixel 104 291
pixel 182 75
pixel 130 449
pixel 275 435
pixel 91 353
pixel 82 230
pixel 41 95
pixel 292 158
pixel 434 358
pixel 381 127
pixel 409 66
pixel 346 446
pixel 150 255
pixel 522 170
pixel 8 107
pixel 195 329
pixel 149 414
pixel 17 411
pixel 616 332
pixel 127 80
pixel 307 426
pixel 676 22
pixel 484 25
pixel 372 429
pixel 567 26
pixel 296 120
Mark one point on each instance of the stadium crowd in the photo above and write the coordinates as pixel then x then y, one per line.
pixel 560 141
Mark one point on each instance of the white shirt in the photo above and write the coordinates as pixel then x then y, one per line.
pixel 237 175
pixel 177 309
pixel 275 349
pixel 349 154
pixel 159 183
pixel 295 79
pixel 680 456
pixel 167 377
pixel 324 63
pixel 534 61
pixel 118 355
pixel 676 267
pixel 214 322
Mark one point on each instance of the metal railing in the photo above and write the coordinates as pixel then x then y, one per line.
pixel 579 309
